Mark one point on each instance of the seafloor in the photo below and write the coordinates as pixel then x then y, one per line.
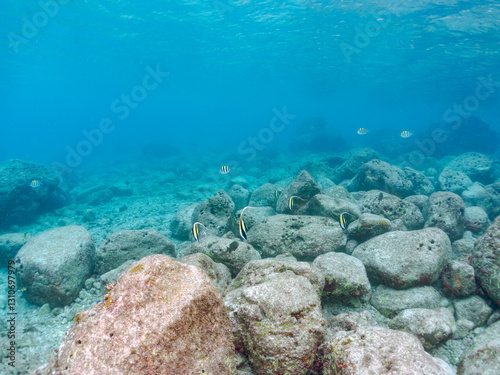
pixel 418 255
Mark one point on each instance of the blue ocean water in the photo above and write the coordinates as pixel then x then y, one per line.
pixel 261 86
pixel 388 65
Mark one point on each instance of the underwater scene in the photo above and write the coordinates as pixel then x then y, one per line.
pixel 250 187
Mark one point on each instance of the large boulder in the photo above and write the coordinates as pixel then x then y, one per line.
pixel 483 357
pixel 230 252
pixel 476 219
pixel 402 214
pixel 182 223
pixel 431 326
pixel 389 302
pixel 131 245
pixel 445 211
pixel 377 350
pixel 10 244
pixel 379 175
pixel 215 213
pixel 162 317
pixel 354 161
pixel 367 226
pixel 218 272
pixel 304 237
pixel 458 279
pixel 478 167
pixel 20 202
pixel 454 181
pixel 345 275
pixel 421 184
pixel 52 267
pixel 486 261
pixel 303 186
pixel 239 195
pixel 405 259
pixel 276 315
pixel 324 205
pixel 264 195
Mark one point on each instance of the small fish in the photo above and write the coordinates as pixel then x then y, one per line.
pixel 35 183
pixel 343 221
pixel 196 231
pixel 27 236
pixel 277 193
pixel 224 169
pixel 242 228
pixel 362 131
pixel 291 202
pixel 406 134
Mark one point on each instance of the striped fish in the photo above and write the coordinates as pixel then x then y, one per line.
pixel 242 227
pixel 291 201
pixel 362 131
pixel 343 220
pixel 224 169
pixel 196 231
pixel 406 134
pixel 35 183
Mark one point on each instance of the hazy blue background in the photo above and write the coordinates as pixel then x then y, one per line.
pixel 231 63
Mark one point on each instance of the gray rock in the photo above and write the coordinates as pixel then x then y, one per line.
pixel 473 309
pixel 403 215
pixel 251 217
pixel 239 195
pixel 182 223
pixel 445 211
pixel 339 192
pixel 161 317
pixel 493 205
pixel 265 195
pixel 303 186
pixel 345 276
pixel 454 181
pixel 99 197
pixel 54 265
pixel 112 276
pixel 389 302
pixel 10 244
pixel 486 261
pixel 379 175
pixel 476 219
pixel 432 327
pixel 483 357
pixel 131 245
pixel 350 321
pixel 215 213
pixel 405 259
pixel 218 272
pixel 377 350
pixel 458 279
pixel 277 321
pixel 19 202
pixel 462 249
pixel 368 226
pixel 417 200
pixel 305 237
pixel 233 253
pixel 478 167
pixel 421 184
pixel 354 161
pixel 324 205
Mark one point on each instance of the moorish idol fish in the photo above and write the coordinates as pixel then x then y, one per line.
pixel 196 231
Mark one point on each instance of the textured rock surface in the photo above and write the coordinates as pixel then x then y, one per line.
pixel 182 223
pixel 54 265
pixel 445 211
pixel 19 202
pixel 473 309
pixel 131 245
pixel 483 357
pixel 379 175
pixel 239 195
pixel 476 219
pixel 404 259
pixel 368 226
pixel 215 213
pixel 276 315
pixel 486 261
pixel 162 317
pixel 390 302
pixel 354 161
pixel 377 350
pixel 265 195
pixel 458 279
pixel 454 181
pixel 403 215
pixel 230 252
pixel 303 186
pixel 421 184
pixel 304 237
pixel 478 167
pixel 432 327
pixel 324 205
pixel 10 244
pixel 345 276
pixel 218 272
